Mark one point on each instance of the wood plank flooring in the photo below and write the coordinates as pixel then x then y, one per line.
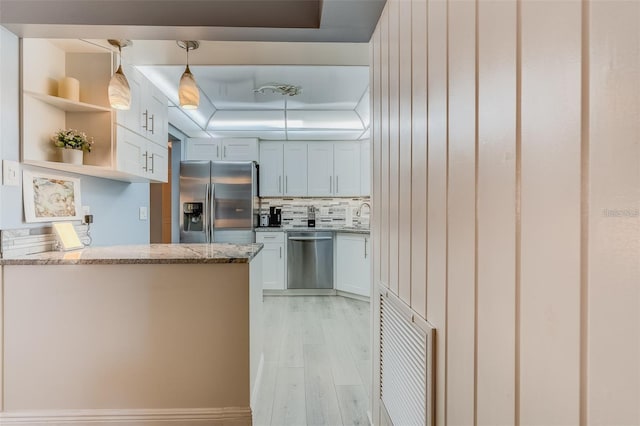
pixel 317 367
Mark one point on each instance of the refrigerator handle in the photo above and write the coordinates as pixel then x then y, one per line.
pixel 206 215
pixel 212 206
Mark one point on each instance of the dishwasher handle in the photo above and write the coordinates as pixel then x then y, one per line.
pixel 309 238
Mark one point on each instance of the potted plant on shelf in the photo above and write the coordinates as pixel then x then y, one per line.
pixel 73 144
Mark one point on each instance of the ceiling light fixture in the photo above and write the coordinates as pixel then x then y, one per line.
pixel 119 90
pixel 283 89
pixel 188 91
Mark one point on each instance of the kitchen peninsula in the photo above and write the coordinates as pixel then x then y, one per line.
pixel 150 334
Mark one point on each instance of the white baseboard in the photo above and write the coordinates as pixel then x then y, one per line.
pixel 256 386
pixel 160 417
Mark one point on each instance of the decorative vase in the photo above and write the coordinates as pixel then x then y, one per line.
pixel 72 156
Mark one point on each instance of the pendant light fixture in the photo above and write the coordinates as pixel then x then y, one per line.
pixel 188 90
pixel 119 90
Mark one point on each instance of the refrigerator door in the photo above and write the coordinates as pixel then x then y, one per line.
pixel 195 202
pixel 234 192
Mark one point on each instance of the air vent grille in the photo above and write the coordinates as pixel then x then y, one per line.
pixel 405 367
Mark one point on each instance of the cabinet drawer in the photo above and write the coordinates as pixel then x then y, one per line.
pixel 269 237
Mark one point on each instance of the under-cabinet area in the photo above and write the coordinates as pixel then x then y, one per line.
pixel 129 145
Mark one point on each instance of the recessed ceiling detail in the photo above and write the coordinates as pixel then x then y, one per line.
pixel 334 104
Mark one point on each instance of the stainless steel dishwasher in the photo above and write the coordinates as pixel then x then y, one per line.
pixel 309 260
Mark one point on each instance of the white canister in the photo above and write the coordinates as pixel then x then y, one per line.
pixel 69 88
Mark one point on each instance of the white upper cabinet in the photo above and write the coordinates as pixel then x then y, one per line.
pixel 317 169
pixel 215 149
pixel 295 169
pixel 132 118
pixel 157 116
pixel 365 168
pixel 271 169
pixel 139 156
pixel 240 149
pixel 320 169
pixel 148 114
pixel 203 149
pixel 346 168
pixel 116 153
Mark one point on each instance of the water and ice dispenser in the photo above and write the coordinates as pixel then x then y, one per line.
pixel 193 220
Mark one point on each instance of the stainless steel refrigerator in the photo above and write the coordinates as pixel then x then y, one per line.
pixel 218 201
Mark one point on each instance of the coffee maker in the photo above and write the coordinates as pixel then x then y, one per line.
pixel 275 216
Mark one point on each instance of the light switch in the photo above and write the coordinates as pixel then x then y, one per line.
pixel 10 170
pixel 143 213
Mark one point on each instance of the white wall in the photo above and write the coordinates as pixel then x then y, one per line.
pixel 506 194
pixel 113 204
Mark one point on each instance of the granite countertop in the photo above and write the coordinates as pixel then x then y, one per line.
pixel 348 229
pixel 141 254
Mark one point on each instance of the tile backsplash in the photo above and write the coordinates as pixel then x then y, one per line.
pixel 330 212
pixel 19 242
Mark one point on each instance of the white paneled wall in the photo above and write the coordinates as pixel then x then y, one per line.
pixel 506 188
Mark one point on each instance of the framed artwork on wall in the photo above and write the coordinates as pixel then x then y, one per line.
pixel 49 198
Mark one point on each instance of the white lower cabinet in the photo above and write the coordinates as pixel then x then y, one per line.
pixel 273 260
pixel 353 263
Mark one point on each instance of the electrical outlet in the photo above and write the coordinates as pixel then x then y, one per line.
pixel 143 213
pixel 10 170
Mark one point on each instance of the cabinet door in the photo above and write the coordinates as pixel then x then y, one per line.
pixel 157 126
pixel 320 168
pixel 157 162
pixel 203 149
pixel 271 167
pixel 273 266
pixel 132 118
pixel 353 264
pixel 295 169
pixel 130 151
pixel 240 149
pixel 346 168
pixel 365 168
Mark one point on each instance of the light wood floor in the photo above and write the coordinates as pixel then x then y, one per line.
pixel 317 362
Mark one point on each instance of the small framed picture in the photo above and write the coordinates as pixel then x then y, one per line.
pixel 49 198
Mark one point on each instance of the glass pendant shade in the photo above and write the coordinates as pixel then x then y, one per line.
pixel 119 91
pixel 188 91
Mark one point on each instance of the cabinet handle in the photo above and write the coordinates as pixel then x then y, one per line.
pixel 286 184
pixel 153 123
pixel 365 248
pixel 224 152
pixel 146 161
pixel 337 185
pixel 280 252
pixel 153 163
pixel 145 114
pixel 330 184
pixel 280 184
pixel 218 151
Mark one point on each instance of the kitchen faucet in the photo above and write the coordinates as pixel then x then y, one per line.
pixel 359 211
